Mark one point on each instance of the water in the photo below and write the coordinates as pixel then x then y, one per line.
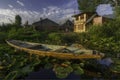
pixel 44 74
pixel 49 74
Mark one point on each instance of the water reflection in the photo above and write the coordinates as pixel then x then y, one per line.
pixel 102 67
pixel 49 74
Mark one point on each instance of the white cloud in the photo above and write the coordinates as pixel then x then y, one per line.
pixel 104 9
pixel 57 14
pixel 8 15
pixel 71 3
pixel 10 5
pixel 53 12
pixel 20 3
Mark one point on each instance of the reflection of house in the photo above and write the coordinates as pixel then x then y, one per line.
pixel 67 26
pixel 46 25
pixel 83 20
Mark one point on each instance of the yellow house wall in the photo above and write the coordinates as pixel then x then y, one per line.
pixel 97 20
pixel 79 22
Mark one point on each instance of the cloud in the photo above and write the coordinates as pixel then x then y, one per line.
pixel 104 9
pixel 8 15
pixel 61 13
pixel 71 3
pixel 9 5
pixel 57 14
pixel 20 3
pixel 53 12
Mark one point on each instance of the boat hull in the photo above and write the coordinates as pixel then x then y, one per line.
pixel 55 54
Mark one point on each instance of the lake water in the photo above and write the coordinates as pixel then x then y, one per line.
pixel 49 74
pixel 44 74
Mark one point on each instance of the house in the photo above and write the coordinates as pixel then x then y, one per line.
pixel 45 25
pixel 83 21
pixel 67 26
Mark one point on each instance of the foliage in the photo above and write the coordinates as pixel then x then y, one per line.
pixel 106 30
pixel 63 72
pixel 18 20
pixel 6 27
pixel 3 36
pixel 77 69
pixel 12 33
pixel 91 3
pixel 94 3
pixel 55 37
pixel 69 38
pixel 62 38
pixel 117 14
pixel 14 65
pixel 116 65
pixel 114 2
pixel 107 38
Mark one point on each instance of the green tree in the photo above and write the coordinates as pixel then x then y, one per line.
pixel 114 2
pixel 91 5
pixel 18 20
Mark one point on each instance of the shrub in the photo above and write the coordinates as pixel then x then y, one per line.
pixel 55 38
pixel 105 38
pixel 3 37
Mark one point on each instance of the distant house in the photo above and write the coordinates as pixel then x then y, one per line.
pixel 45 25
pixel 67 26
pixel 83 20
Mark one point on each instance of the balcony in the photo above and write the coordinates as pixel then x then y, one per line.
pixel 79 21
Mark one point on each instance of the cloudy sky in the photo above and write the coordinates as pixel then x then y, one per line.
pixel 32 10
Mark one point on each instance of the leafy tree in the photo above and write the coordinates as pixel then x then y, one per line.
pixel 94 3
pixel 91 3
pixel 117 14
pixel 114 2
pixel 18 20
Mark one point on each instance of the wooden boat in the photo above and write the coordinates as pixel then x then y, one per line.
pixel 61 52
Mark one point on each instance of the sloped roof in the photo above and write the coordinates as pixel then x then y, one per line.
pixel 68 21
pixel 43 21
pixel 91 18
pixel 84 13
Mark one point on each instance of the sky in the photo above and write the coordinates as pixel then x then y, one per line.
pixel 33 10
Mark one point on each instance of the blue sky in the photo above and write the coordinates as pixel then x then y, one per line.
pixel 32 10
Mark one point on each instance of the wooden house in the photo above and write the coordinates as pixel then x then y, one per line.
pixel 45 25
pixel 68 26
pixel 83 21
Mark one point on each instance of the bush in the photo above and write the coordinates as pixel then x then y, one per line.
pixel 69 38
pixel 105 38
pixel 105 30
pixel 3 37
pixel 13 34
pixel 54 38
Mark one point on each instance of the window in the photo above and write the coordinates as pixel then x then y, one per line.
pixel 80 27
pixel 82 17
pixel 77 18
